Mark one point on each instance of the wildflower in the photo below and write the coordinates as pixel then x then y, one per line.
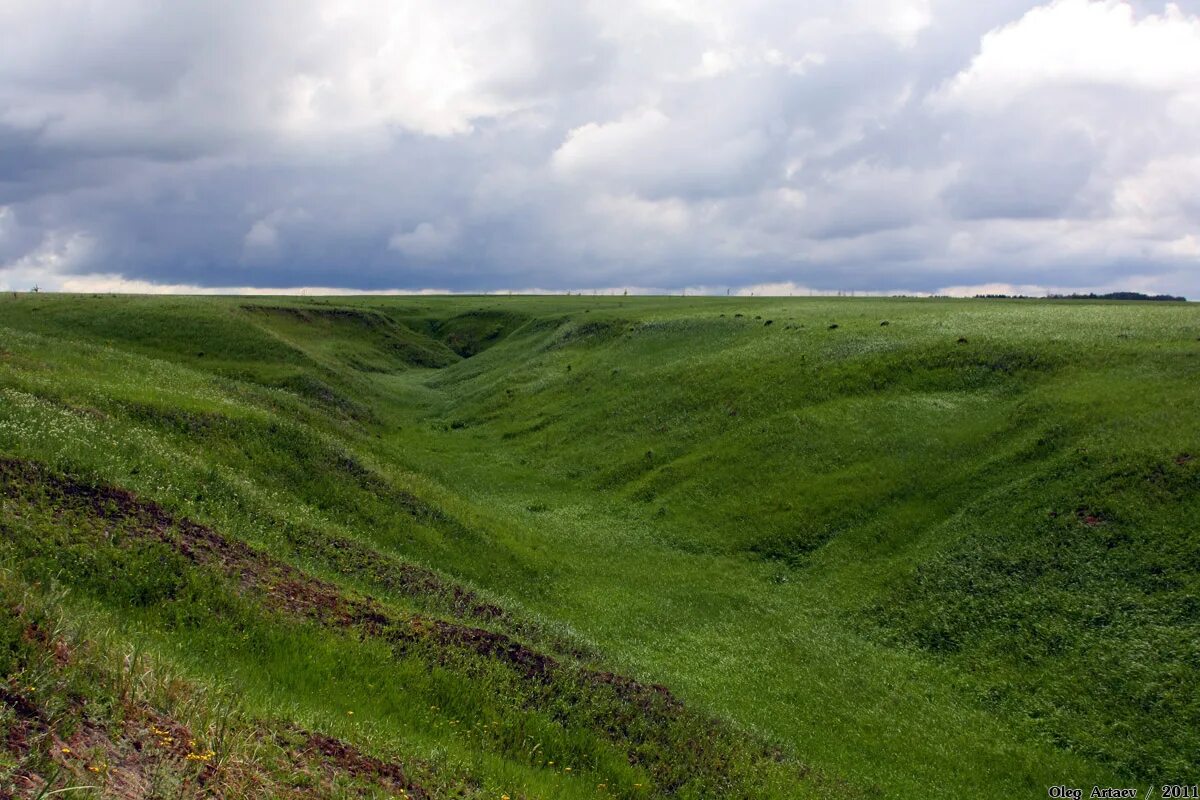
pixel 566 769
pixel 350 713
pixel 93 768
pixel 66 751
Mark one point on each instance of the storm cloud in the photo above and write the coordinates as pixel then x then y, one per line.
pixel 887 145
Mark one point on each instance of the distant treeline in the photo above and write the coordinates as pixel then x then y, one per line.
pixel 1090 296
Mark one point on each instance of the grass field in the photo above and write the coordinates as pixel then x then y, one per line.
pixel 597 547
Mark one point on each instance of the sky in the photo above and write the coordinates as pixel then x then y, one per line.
pixel 768 146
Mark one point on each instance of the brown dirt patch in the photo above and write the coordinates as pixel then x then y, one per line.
pixel 336 755
pixel 355 558
pixel 291 591
pixel 131 758
pixel 638 711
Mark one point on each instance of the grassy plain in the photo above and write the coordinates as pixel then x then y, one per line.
pixel 872 547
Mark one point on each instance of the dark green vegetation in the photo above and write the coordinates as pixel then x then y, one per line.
pixel 684 548
pixel 1161 298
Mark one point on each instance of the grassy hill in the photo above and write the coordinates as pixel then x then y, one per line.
pixel 548 547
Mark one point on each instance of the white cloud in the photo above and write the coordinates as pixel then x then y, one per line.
pixel 333 68
pixel 645 151
pixel 902 19
pixel 597 147
pixel 1071 133
pixel 262 236
pixel 1079 43
pixel 59 252
pixel 1164 195
pixel 265 239
pixel 426 240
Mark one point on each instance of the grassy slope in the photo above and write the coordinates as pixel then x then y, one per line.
pixel 953 555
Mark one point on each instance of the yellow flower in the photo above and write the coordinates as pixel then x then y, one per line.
pixel 66 750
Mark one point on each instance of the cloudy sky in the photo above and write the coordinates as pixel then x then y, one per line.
pixel 786 145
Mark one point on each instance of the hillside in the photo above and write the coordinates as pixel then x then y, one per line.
pixel 597 547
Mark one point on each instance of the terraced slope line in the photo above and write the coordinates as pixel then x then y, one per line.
pixel 682 750
pixel 61 742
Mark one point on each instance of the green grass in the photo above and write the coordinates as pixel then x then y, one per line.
pixel 954 555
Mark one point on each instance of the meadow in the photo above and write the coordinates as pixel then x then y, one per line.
pixel 597 547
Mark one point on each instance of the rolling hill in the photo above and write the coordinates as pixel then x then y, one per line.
pixel 597 547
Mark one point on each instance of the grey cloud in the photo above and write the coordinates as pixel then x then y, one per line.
pixel 1007 173
pixel 380 144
